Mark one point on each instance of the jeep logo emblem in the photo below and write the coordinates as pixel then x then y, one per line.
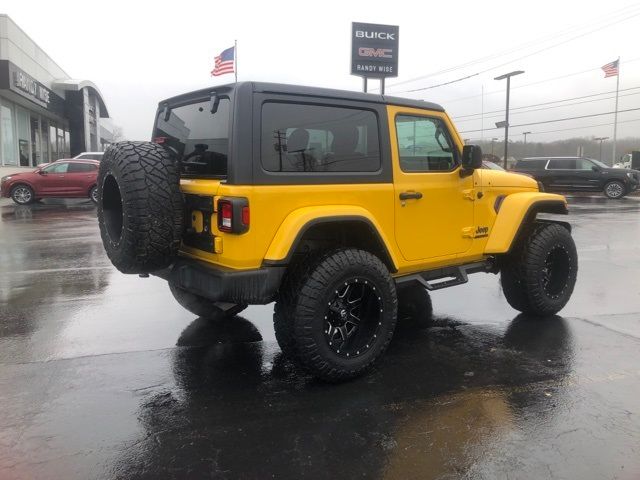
pixel 482 231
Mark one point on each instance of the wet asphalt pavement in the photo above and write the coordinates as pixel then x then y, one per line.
pixel 104 375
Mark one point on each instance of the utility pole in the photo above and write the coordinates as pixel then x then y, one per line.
pixel 525 142
pixel 602 139
pixel 615 116
pixel 506 123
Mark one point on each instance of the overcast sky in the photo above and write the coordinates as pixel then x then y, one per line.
pixel 141 52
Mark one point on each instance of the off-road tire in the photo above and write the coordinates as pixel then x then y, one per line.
pixel 201 306
pixel 20 199
pixel 614 189
pixel 414 302
pixel 282 310
pixel 539 275
pixel 306 301
pixel 140 207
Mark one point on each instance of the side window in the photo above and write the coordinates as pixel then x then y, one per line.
pixel 57 168
pixel 531 164
pixel 424 145
pixel 584 164
pixel 316 138
pixel 76 167
pixel 562 164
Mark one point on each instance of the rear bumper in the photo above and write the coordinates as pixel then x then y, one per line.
pixel 224 285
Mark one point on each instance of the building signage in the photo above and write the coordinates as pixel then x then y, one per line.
pixel 36 91
pixel 374 50
pixel 14 79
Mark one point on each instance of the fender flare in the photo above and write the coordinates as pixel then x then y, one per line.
pixel 298 222
pixel 516 211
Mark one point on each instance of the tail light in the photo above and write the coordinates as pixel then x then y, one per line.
pixel 233 215
pixel 159 140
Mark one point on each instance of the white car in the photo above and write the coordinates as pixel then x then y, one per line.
pixel 89 156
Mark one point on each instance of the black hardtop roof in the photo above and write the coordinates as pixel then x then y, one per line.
pixel 299 90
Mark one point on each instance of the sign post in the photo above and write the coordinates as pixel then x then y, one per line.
pixel 374 51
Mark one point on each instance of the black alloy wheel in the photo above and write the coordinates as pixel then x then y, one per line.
pixel 353 318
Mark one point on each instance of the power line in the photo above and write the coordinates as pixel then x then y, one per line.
pixel 624 11
pixel 548 106
pixel 583 127
pixel 492 92
pixel 556 120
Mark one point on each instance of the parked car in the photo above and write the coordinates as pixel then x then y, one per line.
pixel 64 178
pixel 575 174
pixel 89 156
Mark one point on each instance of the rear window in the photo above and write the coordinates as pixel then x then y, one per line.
pixel 316 138
pixel 531 164
pixel 199 138
pixel 90 156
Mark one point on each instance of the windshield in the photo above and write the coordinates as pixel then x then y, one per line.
pixel 199 138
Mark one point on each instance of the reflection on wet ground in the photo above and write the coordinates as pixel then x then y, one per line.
pixel 104 376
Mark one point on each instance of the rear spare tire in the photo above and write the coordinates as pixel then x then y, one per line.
pixel 140 207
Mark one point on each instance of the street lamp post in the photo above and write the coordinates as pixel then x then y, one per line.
pixel 506 124
pixel 601 139
pixel 525 142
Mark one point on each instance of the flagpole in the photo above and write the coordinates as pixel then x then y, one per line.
pixel 235 59
pixel 615 117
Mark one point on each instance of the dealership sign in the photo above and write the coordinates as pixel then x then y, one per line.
pixel 374 50
pixel 29 86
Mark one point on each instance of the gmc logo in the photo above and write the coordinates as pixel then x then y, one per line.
pixel 375 52
pixel 378 35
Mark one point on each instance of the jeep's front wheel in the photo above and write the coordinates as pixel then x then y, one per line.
pixel 343 313
pixel 538 276
pixel 203 307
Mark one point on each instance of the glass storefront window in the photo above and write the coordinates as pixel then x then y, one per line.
pixel 36 157
pixel 53 137
pixel 22 118
pixel 67 144
pixel 9 150
pixel 44 129
pixel 61 151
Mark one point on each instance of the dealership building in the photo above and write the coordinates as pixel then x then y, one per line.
pixel 44 113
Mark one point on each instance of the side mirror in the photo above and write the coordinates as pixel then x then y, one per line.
pixel 595 169
pixel 42 172
pixel 471 157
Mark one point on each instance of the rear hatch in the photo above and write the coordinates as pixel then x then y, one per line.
pixel 195 127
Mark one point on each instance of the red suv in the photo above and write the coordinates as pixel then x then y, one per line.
pixel 64 178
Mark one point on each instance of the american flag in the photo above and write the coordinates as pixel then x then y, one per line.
pixel 610 69
pixel 224 62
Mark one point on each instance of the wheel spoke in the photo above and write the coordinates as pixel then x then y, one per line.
pixel 353 318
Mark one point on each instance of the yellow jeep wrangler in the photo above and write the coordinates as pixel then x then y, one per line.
pixel 344 208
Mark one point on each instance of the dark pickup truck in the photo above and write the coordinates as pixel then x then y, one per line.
pixel 580 174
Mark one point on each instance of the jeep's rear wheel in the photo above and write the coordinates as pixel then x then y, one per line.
pixel 140 206
pixel 203 307
pixel 342 314
pixel 538 277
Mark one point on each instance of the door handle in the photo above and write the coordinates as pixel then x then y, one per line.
pixel 410 195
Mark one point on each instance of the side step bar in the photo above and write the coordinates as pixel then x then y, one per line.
pixel 448 276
